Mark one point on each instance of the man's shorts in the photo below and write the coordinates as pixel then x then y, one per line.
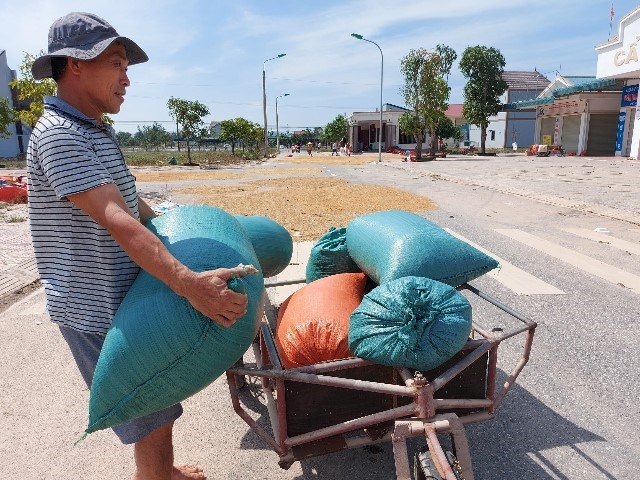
pixel 85 348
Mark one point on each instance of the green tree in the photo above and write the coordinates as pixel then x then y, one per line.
pixel 125 139
pixel 240 131
pixel 153 136
pixel 447 129
pixel 255 135
pixel 336 129
pixel 7 117
pixel 188 114
pixel 31 91
pixel 483 67
pixel 426 92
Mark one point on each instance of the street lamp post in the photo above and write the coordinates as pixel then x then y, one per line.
pixel 277 128
pixel 264 103
pixel 360 37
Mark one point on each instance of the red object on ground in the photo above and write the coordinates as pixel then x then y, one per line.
pixel 11 193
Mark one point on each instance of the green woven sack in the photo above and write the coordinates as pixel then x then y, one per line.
pixel 412 322
pixel 394 244
pixel 329 256
pixel 159 349
pixel 271 241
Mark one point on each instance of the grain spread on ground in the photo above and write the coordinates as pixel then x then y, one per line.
pixel 302 199
pixel 307 207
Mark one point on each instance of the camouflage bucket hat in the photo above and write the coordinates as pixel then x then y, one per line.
pixel 83 36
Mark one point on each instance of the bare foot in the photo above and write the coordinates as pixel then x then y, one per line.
pixel 187 472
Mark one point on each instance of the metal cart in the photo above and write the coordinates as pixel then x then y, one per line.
pixel 330 406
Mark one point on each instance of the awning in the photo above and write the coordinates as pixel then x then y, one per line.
pixel 592 86
pixel 528 103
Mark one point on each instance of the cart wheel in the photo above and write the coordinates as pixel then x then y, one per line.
pixel 425 469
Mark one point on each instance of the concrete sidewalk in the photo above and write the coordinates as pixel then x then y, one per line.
pixel 44 409
pixel 17 263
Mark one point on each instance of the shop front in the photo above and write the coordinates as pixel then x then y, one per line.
pixel 619 58
pixel 583 124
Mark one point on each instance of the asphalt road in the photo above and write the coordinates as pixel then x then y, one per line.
pixel 574 411
pixel 572 415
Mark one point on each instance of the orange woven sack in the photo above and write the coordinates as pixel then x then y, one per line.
pixel 313 323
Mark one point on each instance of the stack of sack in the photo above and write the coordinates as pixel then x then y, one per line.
pixel 159 349
pixel 382 289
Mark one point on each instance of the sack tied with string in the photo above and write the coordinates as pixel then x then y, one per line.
pixel 159 349
pixel 330 256
pixel 313 323
pixel 392 244
pixel 413 322
pixel 271 242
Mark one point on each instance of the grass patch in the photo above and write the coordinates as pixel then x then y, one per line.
pixel 13 163
pixel 204 157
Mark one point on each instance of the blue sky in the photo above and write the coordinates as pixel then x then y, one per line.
pixel 213 51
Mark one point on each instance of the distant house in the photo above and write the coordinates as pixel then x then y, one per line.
pixel 503 130
pixel 12 146
pixel 512 125
pixel 364 127
pixel 579 113
pixel 214 129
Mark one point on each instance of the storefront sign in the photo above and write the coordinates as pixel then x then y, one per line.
pixel 629 96
pixel 562 108
pixel 620 133
pixel 623 57
pixel 621 54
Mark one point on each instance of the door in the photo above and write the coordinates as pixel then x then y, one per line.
pixel 570 133
pixel 602 134
pixel 547 125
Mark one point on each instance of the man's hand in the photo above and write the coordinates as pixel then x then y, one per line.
pixel 206 291
pixel 209 294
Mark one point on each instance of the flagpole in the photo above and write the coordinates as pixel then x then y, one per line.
pixel 611 20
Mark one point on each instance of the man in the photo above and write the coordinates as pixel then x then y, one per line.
pixel 87 220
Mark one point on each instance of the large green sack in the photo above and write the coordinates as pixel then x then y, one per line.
pixel 271 241
pixel 159 349
pixel 329 256
pixel 412 322
pixel 393 244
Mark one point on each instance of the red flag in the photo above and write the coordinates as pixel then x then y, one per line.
pixel 612 13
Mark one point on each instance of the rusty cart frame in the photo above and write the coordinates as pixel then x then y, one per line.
pixel 330 406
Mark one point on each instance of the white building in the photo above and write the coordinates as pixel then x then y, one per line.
pixel 619 59
pixel 503 129
pixel 512 126
pixel 364 128
pixel 9 147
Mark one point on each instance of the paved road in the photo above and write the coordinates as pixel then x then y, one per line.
pixel 572 415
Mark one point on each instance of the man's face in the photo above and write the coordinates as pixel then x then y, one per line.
pixel 105 80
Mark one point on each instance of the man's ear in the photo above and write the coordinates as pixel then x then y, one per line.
pixel 73 65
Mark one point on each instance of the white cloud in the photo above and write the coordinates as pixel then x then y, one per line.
pixel 214 51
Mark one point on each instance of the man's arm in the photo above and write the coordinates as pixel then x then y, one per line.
pixel 145 211
pixel 206 291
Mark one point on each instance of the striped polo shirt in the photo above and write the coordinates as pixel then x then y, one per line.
pixel 85 273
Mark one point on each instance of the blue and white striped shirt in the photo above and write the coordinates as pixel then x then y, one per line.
pixel 86 274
